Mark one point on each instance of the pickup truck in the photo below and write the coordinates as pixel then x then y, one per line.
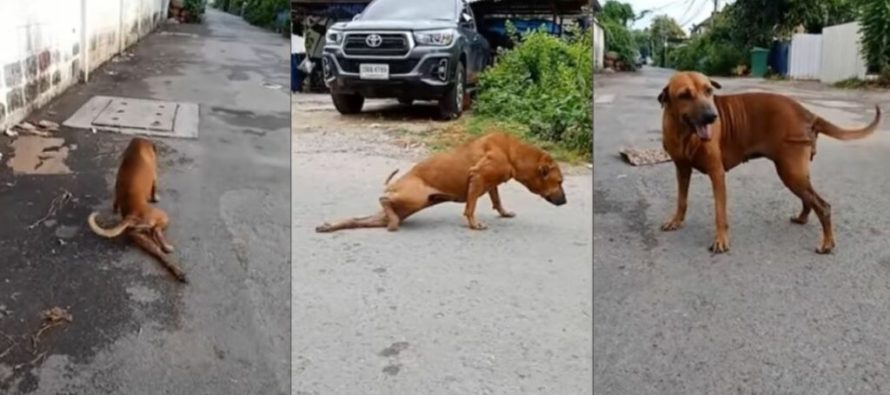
pixel 407 50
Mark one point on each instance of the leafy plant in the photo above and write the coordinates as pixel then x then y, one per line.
pixel 195 9
pixel 876 34
pixel 545 83
pixel 264 12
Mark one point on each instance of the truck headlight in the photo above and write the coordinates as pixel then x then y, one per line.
pixel 440 38
pixel 333 38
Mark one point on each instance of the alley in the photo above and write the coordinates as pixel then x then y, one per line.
pixel 769 317
pixel 134 329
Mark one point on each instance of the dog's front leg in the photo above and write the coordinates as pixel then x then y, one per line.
pixel 718 182
pixel 684 174
pixel 496 203
pixel 476 189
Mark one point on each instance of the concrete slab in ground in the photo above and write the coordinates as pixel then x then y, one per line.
pixel 137 116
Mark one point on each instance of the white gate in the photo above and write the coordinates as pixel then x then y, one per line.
pixel 841 55
pixel 805 57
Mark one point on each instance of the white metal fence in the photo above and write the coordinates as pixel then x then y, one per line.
pixel 832 56
pixel 805 56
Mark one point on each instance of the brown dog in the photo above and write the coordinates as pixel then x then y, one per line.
pixel 464 174
pixel 135 187
pixel 713 134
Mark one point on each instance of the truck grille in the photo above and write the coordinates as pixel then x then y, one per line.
pixel 395 66
pixel 392 44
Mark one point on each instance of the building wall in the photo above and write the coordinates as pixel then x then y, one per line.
pixel 48 45
pixel 599 45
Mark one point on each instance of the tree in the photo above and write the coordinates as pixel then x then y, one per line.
pixel 876 35
pixel 765 19
pixel 662 30
pixel 617 11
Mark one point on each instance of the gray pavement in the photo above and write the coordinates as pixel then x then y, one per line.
pixel 769 317
pixel 134 329
pixel 434 308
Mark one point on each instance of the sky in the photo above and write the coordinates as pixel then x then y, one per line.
pixel 686 12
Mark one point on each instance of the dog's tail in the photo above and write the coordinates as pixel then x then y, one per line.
pixel 823 126
pixel 150 247
pixel 112 232
pixel 391 175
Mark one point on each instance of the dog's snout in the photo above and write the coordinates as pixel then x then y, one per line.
pixel 708 116
pixel 558 199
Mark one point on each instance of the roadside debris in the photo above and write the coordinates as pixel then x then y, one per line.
pixel 11 133
pixel 43 129
pixel 51 318
pixel 55 205
pixel 271 85
pixel 647 156
pixel 48 125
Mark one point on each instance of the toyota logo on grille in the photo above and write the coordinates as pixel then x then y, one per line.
pixel 374 40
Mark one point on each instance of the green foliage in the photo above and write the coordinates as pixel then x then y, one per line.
pixel 617 11
pixel 876 33
pixel 234 6
pixel 263 12
pixel 708 56
pixel 545 83
pixel 663 27
pixel 195 9
pixel 620 40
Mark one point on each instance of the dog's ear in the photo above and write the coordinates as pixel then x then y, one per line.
pixel 543 170
pixel 715 84
pixel 663 96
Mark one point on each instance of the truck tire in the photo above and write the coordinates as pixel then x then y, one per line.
pixel 406 101
pixel 452 104
pixel 348 104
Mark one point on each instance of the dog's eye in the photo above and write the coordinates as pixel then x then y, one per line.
pixel 685 95
pixel 709 91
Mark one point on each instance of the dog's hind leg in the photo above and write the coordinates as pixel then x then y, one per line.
pixel 378 220
pixel 149 246
pixel 804 215
pixel 795 174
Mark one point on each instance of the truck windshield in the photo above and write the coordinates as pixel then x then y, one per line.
pixel 381 10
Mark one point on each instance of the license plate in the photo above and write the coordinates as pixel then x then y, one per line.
pixel 374 71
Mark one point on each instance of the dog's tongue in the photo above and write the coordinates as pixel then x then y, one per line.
pixel 703 132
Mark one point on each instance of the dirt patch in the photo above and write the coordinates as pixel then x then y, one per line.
pixel 39 155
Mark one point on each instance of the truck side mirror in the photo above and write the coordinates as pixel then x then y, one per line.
pixel 355 18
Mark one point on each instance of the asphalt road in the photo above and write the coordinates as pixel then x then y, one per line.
pixel 134 329
pixel 434 308
pixel 769 317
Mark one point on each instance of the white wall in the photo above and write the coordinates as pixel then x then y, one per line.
pixel 47 45
pixel 841 55
pixel 805 57
pixel 599 45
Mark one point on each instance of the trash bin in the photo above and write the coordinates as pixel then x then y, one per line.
pixel 758 61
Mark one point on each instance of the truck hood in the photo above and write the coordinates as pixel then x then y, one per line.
pixel 394 25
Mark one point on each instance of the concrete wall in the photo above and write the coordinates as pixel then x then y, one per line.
pixel 599 45
pixel 48 45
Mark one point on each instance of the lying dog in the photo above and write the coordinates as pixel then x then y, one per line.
pixel 463 175
pixel 713 134
pixel 135 187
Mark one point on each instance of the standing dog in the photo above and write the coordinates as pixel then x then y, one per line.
pixel 713 134
pixel 135 187
pixel 464 174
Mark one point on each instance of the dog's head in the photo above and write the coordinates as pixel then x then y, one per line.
pixel 690 97
pixel 547 181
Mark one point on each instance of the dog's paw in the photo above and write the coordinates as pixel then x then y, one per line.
pixel 167 248
pixel 154 199
pixel 719 246
pixel 671 225
pixel 478 226
pixel 507 214
pixel 323 228
pixel 825 248
pixel 799 220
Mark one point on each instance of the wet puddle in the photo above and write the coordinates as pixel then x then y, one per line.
pixel 39 155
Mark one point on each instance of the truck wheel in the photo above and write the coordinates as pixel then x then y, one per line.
pixel 348 104
pixel 452 104
pixel 406 101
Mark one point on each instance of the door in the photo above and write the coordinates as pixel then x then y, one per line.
pixel 477 57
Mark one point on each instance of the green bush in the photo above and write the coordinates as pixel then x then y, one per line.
pixel 234 6
pixel 546 84
pixel 707 56
pixel 263 12
pixel 621 41
pixel 195 9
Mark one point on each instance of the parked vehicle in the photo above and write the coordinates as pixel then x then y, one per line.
pixel 408 50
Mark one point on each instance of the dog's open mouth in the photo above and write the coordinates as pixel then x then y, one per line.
pixel 703 131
